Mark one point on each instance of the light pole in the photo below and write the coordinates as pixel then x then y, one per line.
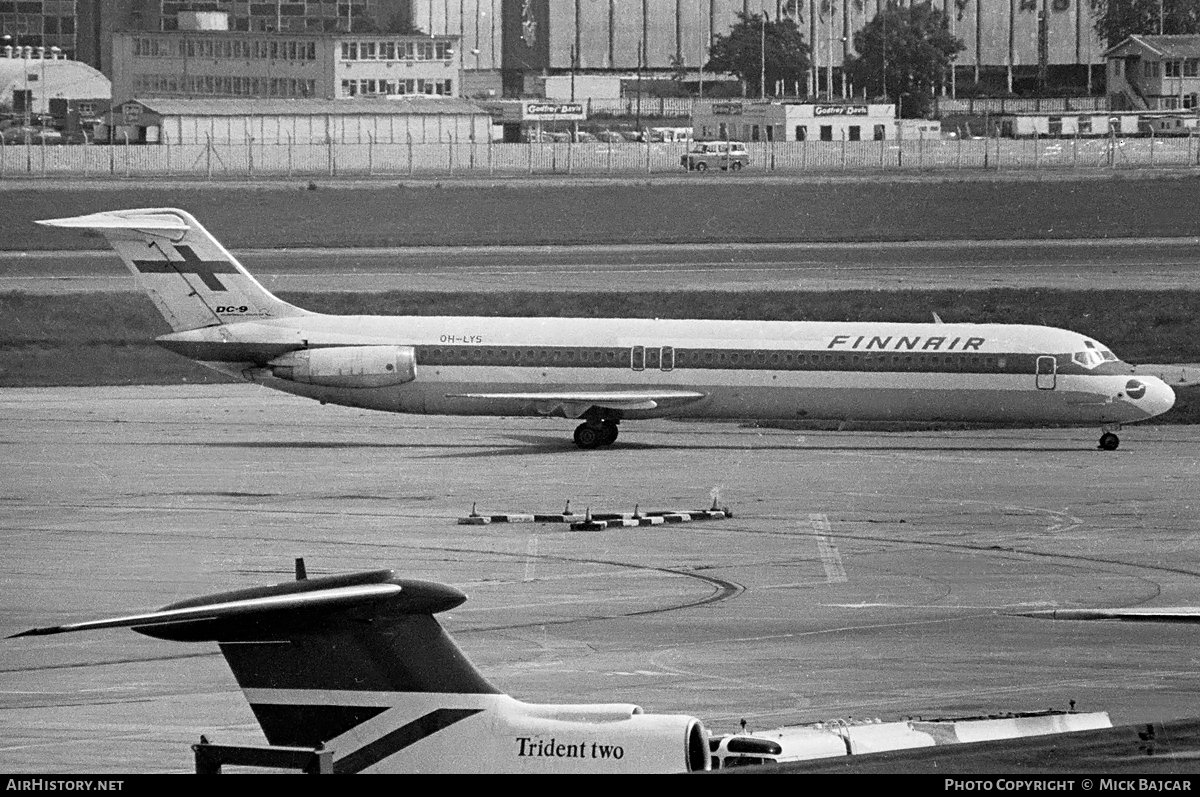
pixel 762 56
pixel 887 9
pixel 54 51
pixel 26 97
pixel 574 58
pixel 638 119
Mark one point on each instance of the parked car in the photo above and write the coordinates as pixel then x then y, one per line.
pixel 32 135
pixel 723 155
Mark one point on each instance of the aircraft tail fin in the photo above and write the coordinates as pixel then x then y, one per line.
pixel 293 645
pixel 192 279
pixel 357 664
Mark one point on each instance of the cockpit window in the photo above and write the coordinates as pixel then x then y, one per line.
pixel 1089 358
pixel 1108 356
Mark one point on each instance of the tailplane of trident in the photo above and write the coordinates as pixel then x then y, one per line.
pixel 357 664
pixel 602 372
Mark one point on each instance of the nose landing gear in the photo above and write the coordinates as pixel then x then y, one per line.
pixel 1109 440
pixel 594 434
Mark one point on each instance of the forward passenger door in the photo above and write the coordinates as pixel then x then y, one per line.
pixel 1047 370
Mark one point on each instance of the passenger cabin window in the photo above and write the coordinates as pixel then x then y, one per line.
pixel 637 358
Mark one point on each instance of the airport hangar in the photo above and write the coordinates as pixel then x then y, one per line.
pixel 416 120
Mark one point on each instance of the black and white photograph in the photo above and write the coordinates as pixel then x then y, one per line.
pixel 600 387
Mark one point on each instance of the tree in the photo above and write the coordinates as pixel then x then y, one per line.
pixel 1118 19
pixel 741 52
pixel 903 54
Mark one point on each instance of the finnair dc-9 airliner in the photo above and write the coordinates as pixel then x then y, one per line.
pixel 604 371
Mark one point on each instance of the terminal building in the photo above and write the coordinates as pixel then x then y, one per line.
pixel 225 63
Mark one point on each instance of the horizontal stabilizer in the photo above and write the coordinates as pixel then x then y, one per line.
pixel 338 597
pixel 129 220
pixel 1173 614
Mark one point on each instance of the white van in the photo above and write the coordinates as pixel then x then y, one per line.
pixel 723 155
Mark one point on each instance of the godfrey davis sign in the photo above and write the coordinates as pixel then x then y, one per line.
pixel 542 111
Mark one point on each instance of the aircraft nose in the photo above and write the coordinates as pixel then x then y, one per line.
pixel 1151 395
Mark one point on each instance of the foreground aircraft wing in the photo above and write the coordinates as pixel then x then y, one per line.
pixel 1171 614
pixel 1160 748
pixel 576 403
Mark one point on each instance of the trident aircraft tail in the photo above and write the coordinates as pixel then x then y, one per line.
pixel 357 664
pixel 192 279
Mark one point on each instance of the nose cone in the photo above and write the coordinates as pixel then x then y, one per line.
pixel 1150 395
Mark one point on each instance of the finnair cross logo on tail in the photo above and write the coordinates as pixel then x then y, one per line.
pixel 206 270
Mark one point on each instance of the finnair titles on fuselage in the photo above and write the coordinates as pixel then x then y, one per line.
pixel 603 371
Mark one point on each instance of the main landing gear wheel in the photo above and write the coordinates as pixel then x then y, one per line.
pixel 594 435
pixel 608 434
pixel 1109 442
pixel 588 436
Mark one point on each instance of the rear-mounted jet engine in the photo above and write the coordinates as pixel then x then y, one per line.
pixel 348 366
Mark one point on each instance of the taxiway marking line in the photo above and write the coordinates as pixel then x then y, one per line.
pixel 835 573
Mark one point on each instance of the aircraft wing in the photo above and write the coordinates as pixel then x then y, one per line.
pixel 1171 614
pixel 575 403
pixel 1162 748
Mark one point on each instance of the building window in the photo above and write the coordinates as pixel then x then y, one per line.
pixel 827 132
pixel 801 133
pixel 880 132
pixel 1191 67
pixel 855 133
pixel 1056 125
pixel 1085 125
pixel 1172 68
pixel 754 133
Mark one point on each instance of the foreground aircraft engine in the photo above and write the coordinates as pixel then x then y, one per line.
pixel 348 366
pixel 357 665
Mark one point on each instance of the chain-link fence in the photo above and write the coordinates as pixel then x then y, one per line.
pixel 253 159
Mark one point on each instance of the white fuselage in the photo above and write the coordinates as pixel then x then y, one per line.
pixel 746 369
